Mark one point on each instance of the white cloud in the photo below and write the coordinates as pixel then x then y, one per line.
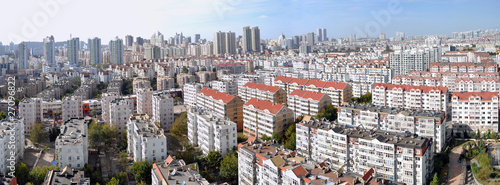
pixel 262 16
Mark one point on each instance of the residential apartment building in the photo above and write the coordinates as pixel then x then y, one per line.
pixel 67 175
pixel 210 131
pixel 145 140
pixel 263 117
pixel 144 101
pixel 12 143
pixel 229 87
pixel 403 158
pixel 165 83
pixel 410 97
pixel 185 78
pixel 120 110
pixel 339 92
pixel 190 92
pixel 172 171
pixel 163 110
pixel 206 76
pixel 429 124
pixel 72 107
pixel 31 110
pixel 72 143
pixel 264 163
pixel 472 111
pixel 221 103
pixel 264 92
pixel 307 102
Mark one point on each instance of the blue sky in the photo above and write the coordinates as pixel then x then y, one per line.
pixel 110 18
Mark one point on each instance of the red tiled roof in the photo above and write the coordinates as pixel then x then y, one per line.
pixel 216 94
pixel 300 171
pixel 368 174
pixel 229 64
pixel 264 105
pixel 308 94
pixel 410 87
pixel 169 159
pixel 299 81
pixel 261 87
pixel 316 83
pixel 485 96
pixel 336 85
pixel 283 79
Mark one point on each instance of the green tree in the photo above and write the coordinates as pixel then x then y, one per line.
pixel 142 171
pixel 154 83
pixel 93 112
pixel 37 133
pixel 366 98
pixel 113 181
pixel 185 69
pixel 22 173
pixel 291 143
pixel 213 159
pixel 76 81
pixel 265 137
pixel 435 180
pixel 101 135
pixel 229 168
pixel 37 174
pixel 276 136
pixel 179 128
pixel 330 113
pixel 478 134
pixel 3 115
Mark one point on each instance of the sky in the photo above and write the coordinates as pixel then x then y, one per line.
pixel 33 20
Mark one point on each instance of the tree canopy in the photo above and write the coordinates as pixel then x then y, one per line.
pixel 101 135
pixel 179 128
pixel 37 133
pixel 330 113
pixel 229 168
pixel 142 171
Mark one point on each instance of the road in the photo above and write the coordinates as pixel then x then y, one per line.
pixel 455 174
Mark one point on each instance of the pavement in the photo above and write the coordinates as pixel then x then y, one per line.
pixel 455 174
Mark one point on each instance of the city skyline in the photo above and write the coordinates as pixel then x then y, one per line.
pixel 340 19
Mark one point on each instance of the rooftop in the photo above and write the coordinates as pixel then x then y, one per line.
pixel 264 105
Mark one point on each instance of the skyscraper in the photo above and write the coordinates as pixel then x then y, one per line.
pixel 158 40
pixel 381 36
pixel 224 43
pixel 49 50
pixel 139 40
pixel 352 38
pixel 129 40
pixel 247 39
pixel 196 38
pixel 116 49
pixel 73 48
pixel 95 51
pixel 2 49
pixel 322 34
pixel 255 39
pixel 22 55
pixel 310 39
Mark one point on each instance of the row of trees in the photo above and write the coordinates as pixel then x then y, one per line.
pixel 34 177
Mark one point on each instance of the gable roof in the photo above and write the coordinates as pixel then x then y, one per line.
pixel 283 79
pixel 465 96
pixel 261 87
pixel 216 94
pixel 299 171
pixel 308 94
pixel 264 105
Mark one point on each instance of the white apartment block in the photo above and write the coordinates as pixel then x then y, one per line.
pixel 263 163
pixel 72 108
pixel 210 131
pixel 145 140
pixel 120 110
pixel 11 143
pixel 472 111
pixel 190 92
pixel 229 87
pixel 264 92
pixel 262 117
pixel 360 89
pixel 163 110
pixel 410 97
pixel 31 110
pixel 417 59
pixel 398 157
pixel 72 144
pixel 144 101
pixel 165 82
pixel 106 99
pixel 222 103
pixel 429 124
pixel 307 102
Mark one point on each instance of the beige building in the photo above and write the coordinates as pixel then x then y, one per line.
pixel 31 110
pixel 221 103
pixel 264 92
pixel 262 117
pixel 410 97
pixel 206 76
pixel 472 111
pixel 185 78
pixel 307 102
pixel 165 82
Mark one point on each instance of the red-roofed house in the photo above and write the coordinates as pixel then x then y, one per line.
pixel 307 102
pixel 264 118
pixel 474 111
pixel 221 103
pixel 264 92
